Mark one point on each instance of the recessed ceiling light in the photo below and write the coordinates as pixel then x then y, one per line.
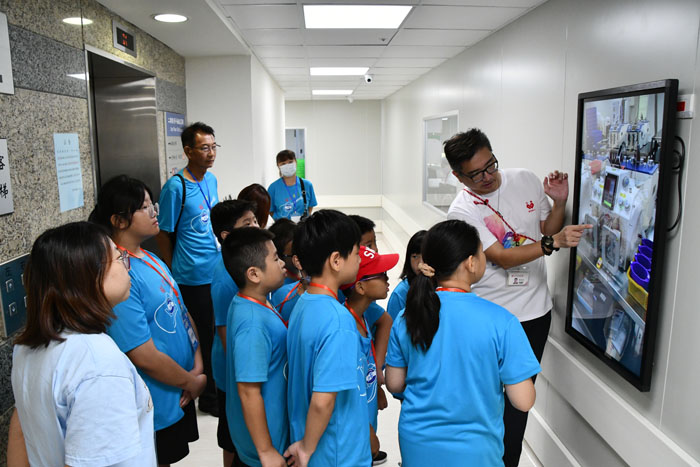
pixel 170 18
pixel 331 92
pixel 77 75
pixel 354 16
pixel 338 71
pixel 77 21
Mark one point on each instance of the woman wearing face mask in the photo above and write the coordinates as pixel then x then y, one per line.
pixel 79 399
pixel 292 197
pixel 153 327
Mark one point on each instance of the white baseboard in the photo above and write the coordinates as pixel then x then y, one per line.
pixel 545 444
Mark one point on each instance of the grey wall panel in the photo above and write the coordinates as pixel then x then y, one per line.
pixel 43 64
pixel 7 400
pixel 170 97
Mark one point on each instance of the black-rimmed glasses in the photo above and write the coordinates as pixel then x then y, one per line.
pixel 478 176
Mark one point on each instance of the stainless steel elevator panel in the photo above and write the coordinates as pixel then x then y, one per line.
pixel 125 126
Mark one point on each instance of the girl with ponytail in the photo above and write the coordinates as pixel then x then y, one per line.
pixel 452 354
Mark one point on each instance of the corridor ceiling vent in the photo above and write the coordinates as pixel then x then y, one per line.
pixel 355 16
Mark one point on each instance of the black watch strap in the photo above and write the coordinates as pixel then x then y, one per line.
pixel 547 244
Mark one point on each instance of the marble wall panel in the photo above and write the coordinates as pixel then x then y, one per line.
pixel 7 400
pixel 43 64
pixel 45 17
pixel 28 121
pixel 4 425
pixel 170 97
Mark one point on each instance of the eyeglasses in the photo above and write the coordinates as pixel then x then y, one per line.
pixel 478 176
pixel 124 258
pixel 152 209
pixel 382 275
pixel 205 148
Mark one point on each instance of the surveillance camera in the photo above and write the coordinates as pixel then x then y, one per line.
pixel 368 79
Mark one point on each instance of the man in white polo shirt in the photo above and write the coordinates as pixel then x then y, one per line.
pixel 518 227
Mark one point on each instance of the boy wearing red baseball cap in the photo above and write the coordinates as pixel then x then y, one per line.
pixel 371 284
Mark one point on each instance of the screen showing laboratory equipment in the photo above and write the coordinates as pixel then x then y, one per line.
pixel 623 169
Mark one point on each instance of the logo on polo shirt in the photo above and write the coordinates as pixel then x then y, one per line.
pixel 530 206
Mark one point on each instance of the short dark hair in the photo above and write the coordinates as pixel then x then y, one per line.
pixel 225 214
pixel 259 195
pixel 462 147
pixel 283 229
pixel 244 248
pixel 322 233
pixel 188 134
pixel 121 195
pixel 365 225
pixel 64 279
pixel 286 155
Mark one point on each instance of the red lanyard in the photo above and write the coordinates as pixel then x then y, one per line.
pixel 265 305
pixel 289 295
pixel 321 286
pixel 485 202
pixel 363 325
pixel 157 268
pixel 450 289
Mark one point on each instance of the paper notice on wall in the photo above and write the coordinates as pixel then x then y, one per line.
pixel 6 204
pixel 68 171
pixel 6 83
pixel 175 158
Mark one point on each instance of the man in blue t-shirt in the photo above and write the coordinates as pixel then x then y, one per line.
pixel 192 253
pixel 291 197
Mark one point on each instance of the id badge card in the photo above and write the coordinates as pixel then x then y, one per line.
pixel 190 331
pixel 518 276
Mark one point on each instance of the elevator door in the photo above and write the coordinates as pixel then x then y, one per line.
pixel 126 131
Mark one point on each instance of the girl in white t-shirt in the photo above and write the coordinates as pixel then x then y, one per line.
pixel 79 400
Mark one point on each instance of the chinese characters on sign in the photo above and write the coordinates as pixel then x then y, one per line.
pixel 174 156
pixel 68 171
pixel 6 204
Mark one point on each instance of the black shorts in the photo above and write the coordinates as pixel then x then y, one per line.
pixel 223 435
pixel 172 441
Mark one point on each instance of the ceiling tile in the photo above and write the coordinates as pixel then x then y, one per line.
pixel 336 79
pixel 289 78
pixel 409 62
pixel 341 62
pixel 273 36
pixel 398 71
pixel 417 51
pixel 348 36
pixel 487 3
pixel 264 16
pixel 280 51
pixel 439 37
pixel 359 2
pixel 289 71
pixel 284 62
pixel 342 51
pixel 457 17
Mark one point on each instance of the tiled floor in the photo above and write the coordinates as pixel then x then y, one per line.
pixel 206 452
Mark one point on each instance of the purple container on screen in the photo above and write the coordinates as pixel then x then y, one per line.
pixel 645 250
pixel 648 243
pixel 639 275
pixel 643 261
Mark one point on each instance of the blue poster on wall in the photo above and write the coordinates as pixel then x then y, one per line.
pixel 68 172
pixel 175 159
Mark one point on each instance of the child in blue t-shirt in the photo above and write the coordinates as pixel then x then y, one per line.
pixel 327 397
pixel 397 301
pixel 450 341
pixel 256 350
pixel 371 283
pixel 225 216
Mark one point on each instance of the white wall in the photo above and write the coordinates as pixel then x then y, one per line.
pixel 268 123
pixel 520 86
pixel 342 149
pixel 245 106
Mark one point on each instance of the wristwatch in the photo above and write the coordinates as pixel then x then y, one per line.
pixel 547 244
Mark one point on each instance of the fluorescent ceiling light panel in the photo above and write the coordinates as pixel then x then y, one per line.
pixel 77 76
pixel 170 18
pixel 77 21
pixel 331 92
pixel 338 71
pixel 354 16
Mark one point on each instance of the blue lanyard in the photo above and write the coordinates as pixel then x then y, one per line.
pixel 200 186
pixel 296 184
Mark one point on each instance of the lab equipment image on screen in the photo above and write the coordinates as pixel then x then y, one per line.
pixel 619 180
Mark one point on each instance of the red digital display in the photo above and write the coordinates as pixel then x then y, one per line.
pixel 125 39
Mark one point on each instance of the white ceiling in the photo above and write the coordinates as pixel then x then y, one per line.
pixel 273 30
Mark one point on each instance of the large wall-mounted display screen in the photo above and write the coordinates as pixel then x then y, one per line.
pixel 623 169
